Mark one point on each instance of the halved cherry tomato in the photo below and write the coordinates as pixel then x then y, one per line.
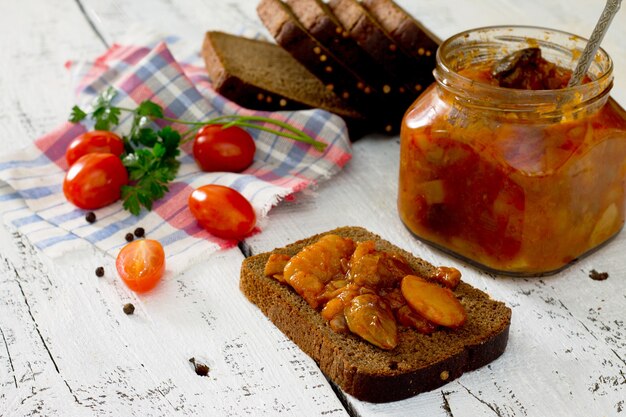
pixel 222 211
pixel 97 141
pixel 141 264
pixel 218 149
pixel 95 180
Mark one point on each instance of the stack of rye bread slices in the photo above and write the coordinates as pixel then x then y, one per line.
pixel 364 60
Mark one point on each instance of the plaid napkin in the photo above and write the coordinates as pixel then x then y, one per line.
pixel 31 193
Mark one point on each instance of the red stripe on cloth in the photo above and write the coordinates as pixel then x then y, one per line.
pixel 54 144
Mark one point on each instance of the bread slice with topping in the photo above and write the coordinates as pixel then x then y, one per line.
pixel 418 363
pixel 261 75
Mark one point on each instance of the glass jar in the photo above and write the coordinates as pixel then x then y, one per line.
pixel 517 181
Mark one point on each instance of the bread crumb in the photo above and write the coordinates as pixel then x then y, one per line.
pixel 323 58
pixel 444 375
pixel 420 51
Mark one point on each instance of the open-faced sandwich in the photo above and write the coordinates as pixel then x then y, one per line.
pixel 382 324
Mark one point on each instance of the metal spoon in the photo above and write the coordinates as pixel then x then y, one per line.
pixel 609 12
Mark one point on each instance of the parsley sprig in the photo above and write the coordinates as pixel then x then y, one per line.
pixel 150 155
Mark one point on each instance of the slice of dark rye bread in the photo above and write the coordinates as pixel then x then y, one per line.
pixel 286 29
pixel 261 75
pixel 383 113
pixel 419 363
pixel 323 25
pixel 405 30
pixel 375 40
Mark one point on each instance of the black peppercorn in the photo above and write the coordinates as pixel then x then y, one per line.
pixel 140 232
pixel 129 308
pixel 129 237
pixel 90 217
pixel 99 271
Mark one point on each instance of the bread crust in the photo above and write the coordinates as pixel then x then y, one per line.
pixel 419 363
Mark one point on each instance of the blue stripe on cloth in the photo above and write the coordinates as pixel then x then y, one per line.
pixel 262 189
pixel 61 218
pixel 172 237
pixel 183 102
pixel 242 181
pixel 330 144
pixel 41 160
pixel 11 196
pixel 46 243
pixel 297 153
pixel 109 230
pixel 23 221
pixel 40 192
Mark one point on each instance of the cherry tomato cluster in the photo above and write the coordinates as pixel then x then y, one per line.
pixel 96 173
pixel 96 176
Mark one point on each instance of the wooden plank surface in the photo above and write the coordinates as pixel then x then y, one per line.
pixel 66 348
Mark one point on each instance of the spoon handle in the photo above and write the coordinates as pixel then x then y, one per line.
pixel 610 10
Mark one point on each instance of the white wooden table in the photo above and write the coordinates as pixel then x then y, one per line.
pixel 67 349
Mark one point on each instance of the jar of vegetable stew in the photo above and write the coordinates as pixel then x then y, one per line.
pixel 504 165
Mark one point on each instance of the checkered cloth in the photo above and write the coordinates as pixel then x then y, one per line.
pixel 31 193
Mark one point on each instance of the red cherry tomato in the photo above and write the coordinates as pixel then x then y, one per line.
pixel 141 264
pixel 97 141
pixel 222 211
pixel 95 180
pixel 218 149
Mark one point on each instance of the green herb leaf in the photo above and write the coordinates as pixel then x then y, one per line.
pixel 130 199
pixel 158 150
pixel 151 109
pixel 77 114
pixel 171 140
pixel 106 117
pixel 147 137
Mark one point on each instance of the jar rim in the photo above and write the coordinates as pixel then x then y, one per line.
pixel 448 77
